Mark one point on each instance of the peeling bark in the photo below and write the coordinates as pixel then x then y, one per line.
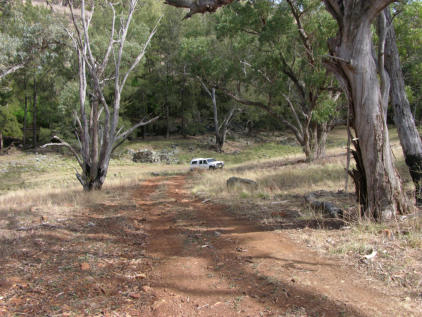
pixel 403 118
pixel 356 69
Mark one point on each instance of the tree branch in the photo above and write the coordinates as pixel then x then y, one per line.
pixel 65 144
pixel 141 54
pixel 292 108
pixel 302 33
pixel 198 6
pixel 267 108
pixel 11 70
pixel 205 86
pixel 125 134
pixel 111 41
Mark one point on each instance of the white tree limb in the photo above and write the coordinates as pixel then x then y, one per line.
pixel 140 55
pixel 65 144
pixel 11 70
pixel 125 134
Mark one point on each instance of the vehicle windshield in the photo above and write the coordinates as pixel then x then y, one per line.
pixel 210 160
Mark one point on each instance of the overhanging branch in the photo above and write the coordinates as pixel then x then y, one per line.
pixel 65 144
pixel 198 6
pixel 125 134
pixel 11 70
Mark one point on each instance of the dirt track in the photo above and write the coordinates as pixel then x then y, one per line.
pixel 206 262
pixel 158 251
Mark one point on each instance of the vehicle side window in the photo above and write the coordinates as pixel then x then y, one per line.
pixel 201 162
pixel 194 162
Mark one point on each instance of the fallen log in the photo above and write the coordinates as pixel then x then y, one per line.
pixel 328 208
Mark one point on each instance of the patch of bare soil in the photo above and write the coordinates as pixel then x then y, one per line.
pixel 157 251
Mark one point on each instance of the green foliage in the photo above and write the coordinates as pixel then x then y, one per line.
pixel 245 46
pixel 408 26
pixel 9 125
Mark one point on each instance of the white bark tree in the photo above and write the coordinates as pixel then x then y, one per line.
pixel 97 120
pixel 220 129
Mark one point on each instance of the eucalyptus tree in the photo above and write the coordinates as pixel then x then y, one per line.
pixel 354 65
pixel 210 62
pixel 34 40
pixel 98 130
pixel 351 60
pixel 282 72
pixel 27 34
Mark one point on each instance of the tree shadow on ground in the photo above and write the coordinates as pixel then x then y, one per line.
pixel 99 260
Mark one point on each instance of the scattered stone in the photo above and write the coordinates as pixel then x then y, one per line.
pixel 146 288
pixel 85 266
pixel 232 182
pixel 135 295
pixel 145 156
pixel 371 255
pixel 157 304
pixel 149 156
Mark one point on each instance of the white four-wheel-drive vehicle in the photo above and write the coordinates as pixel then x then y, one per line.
pixel 205 163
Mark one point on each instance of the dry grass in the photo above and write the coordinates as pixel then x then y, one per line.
pixel 43 188
pixel 278 203
pixel 273 183
pixel 46 191
pixel 398 246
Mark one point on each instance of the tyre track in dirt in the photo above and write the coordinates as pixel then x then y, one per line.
pixel 206 262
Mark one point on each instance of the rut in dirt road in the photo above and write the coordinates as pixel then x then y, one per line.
pixel 207 262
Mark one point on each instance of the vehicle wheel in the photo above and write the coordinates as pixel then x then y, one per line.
pixel 212 167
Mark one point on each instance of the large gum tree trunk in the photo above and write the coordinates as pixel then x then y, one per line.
pixel 403 118
pixel 355 66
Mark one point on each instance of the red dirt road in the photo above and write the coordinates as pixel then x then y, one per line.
pixel 208 263
pixel 154 250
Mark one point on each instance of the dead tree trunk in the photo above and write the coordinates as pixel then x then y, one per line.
pixel 220 130
pixel 353 63
pixel 98 132
pixel 408 134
